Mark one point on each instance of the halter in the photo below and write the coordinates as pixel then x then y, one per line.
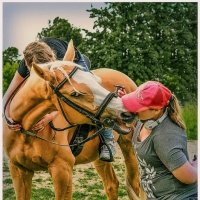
pixel 95 118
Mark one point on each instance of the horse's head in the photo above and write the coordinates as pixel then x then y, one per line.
pixel 78 93
pixel 70 83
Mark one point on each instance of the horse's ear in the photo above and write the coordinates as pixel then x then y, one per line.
pixel 70 53
pixel 43 73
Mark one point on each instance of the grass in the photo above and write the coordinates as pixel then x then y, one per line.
pixel 190 118
pixel 9 194
pixel 42 194
pixel 87 184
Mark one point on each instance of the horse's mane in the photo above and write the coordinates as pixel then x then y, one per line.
pixel 59 65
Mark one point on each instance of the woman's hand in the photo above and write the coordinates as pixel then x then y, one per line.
pixel 13 126
pixel 39 126
pixel 121 92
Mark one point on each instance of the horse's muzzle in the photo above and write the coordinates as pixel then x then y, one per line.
pixel 128 117
pixel 111 123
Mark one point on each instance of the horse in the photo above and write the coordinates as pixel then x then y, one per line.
pixel 47 89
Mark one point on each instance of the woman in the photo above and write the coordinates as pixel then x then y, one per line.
pixel 160 143
pixel 48 50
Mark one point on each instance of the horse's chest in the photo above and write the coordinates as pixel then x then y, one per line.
pixel 28 157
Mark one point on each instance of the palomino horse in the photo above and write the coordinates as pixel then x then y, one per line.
pixel 27 153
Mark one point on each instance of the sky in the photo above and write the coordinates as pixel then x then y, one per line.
pixel 23 20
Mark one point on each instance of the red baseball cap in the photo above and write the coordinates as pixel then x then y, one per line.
pixel 150 95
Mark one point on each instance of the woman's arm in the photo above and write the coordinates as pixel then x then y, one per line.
pixel 187 173
pixel 17 79
pixel 171 148
pixel 39 126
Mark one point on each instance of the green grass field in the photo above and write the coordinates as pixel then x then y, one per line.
pixel 190 117
pixel 86 183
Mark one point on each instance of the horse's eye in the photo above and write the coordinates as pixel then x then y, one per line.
pixel 75 94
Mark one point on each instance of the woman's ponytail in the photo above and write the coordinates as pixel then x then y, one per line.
pixel 174 111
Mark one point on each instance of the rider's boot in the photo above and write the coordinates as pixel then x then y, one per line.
pixel 105 154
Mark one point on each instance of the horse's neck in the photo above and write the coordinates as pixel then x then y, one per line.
pixel 35 114
pixel 29 104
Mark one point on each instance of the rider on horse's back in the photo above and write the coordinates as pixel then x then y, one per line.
pixel 44 51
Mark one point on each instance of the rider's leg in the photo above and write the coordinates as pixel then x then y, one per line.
pixel 107 134
pixel 83 61
pixel 109 140
pixel 87 61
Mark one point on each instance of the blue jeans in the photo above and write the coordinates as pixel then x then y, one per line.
pixel 192 197
pixel 107 133
pixel 84 62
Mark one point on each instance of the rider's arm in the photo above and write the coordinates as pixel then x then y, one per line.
pixel 44 121
pixel 19 76
pixel 17 79
pixel 52 115
pixel 13 85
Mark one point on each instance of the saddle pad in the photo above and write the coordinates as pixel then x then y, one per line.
pixel 80 134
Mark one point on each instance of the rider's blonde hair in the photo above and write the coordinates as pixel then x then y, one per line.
pixel 38 52
pixel 175 113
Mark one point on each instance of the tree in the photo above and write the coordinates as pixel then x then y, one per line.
pixel 58 28
pixel 11 55
pixel 62 29
pixel 147 41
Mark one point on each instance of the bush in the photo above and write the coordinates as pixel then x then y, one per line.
pixel 190 118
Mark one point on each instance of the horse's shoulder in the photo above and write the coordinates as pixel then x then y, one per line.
pixel 117 77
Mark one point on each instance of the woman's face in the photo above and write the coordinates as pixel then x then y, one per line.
pixel 149 114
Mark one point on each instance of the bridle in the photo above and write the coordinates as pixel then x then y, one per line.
pixel 95 118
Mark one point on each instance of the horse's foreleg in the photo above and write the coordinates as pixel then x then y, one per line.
pixel 132 171
pixel 61 173
pixel 22 181
pixel 107 174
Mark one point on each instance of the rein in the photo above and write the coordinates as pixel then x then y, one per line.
pixel 93 117
pixel 64 145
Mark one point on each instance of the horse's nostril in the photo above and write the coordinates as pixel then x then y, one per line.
pixel 128 117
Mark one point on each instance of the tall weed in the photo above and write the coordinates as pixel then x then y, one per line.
pixel 190 117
